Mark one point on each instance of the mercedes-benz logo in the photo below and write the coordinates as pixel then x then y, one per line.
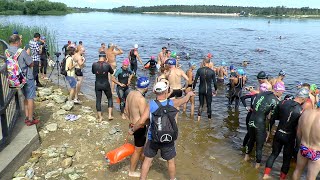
pixel 166 138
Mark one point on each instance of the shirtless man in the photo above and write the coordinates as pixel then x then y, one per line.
pixel 308 104
pixel 309 136
pixel 112 52
pixel 222 72
pixel 80 61
pixel 280 78
pixel 162 56
pixel 102 48
pixel 135 105
pixel 175 79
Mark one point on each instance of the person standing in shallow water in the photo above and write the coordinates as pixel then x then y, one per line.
pixel 133 57
pixel 135 105
pixel 124 76
pixel 102 69
pixel 192 66
pixel 112 52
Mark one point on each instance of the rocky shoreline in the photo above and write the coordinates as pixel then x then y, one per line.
pixel 72 149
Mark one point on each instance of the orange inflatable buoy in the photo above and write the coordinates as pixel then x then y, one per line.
pixel 147 66
pixel 120 153
pixel 118 100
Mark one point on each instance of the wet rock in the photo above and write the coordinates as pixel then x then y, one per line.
pixel 69 170
pixel 53 174
pixel 68 106
pixel 52 127
pixel 74 176
pixel 59 99
pixel 45 92
pixel 66 162
pixel 112 131
pixel 70 152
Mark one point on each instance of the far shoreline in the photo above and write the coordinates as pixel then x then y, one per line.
pixel 232 15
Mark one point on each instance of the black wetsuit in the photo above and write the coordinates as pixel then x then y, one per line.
pixel 207 76
pixel 122 92
pixel 133 61
pixel 243 100
pixel 44 59
pixel 65 48
pixel 153 64
pixel 101 70
pixel 288 113
pixel 263 104
pixel 236 92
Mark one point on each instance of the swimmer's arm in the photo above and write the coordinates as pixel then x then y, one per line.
pixel 243 100
pixel 113 78
pixel 118 51
pixel 138 56
pixel 143 119
pixel 129 80
pixel 274 117
pixel 299 130
pixel 92 69
pixel 195 80
pixel 214 81
pixel 184 76
pixel 181 101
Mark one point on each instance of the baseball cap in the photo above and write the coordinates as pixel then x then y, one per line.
pixel 160 87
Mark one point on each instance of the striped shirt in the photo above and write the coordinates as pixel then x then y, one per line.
pixel 35 50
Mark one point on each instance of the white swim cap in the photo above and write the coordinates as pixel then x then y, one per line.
pixel 136 46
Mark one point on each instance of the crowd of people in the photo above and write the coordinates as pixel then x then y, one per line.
pixel 153 123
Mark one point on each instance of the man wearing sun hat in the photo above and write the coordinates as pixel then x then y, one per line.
pixel 168 150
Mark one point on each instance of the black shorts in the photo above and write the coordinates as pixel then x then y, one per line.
pixel 168 151
pixel 176 93
pixel 140 137
pixel 78 72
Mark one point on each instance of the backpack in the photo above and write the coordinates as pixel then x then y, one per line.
pixel 16 78
pixel 163 126
pixel 63 66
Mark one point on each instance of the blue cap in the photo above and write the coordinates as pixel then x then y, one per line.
pixel 43 38
pixel 172 62
pixel 143 82
pixel 224 63
pixel 231 67
pixel 15 32
pixel 282 73
pixel 241 72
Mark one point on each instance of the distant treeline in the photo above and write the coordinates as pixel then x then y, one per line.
pixel 88 9
pixel 32 7
pixel 263 11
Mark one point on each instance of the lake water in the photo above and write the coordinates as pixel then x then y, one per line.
pixel 209 150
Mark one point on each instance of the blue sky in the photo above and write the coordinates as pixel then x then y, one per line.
pixel 106 4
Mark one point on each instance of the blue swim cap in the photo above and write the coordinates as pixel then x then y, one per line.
pixel 172 62
pixel 15 32
pixel 231 67
pixel 241 72
pixel 143 82
pixel 224 64
pixel 282 73
pixel 191 63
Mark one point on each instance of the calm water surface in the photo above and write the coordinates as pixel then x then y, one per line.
pixel 209 149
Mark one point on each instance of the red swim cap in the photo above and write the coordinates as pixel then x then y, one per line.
pixel 209 55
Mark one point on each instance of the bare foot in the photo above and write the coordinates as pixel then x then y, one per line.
pixel 134 174
pixel 257 165
pixel 199 117
pixel 266 176
pixel 246 157
pixel 110 118
pixel 123 116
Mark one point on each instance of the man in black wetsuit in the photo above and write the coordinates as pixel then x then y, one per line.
pixel 207 76
pixel 287 112
pixel 65 47
pixel 101 70
pixel 151 64
pixel 124 76
pixel 237 85
pixel 133 56
pixel 263 105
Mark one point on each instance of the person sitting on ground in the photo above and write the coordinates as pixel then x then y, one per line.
pixel 124 76
pixel 29 89
pixel 309 137
pixel 287 112
pixel 133 57
pixel 70 69
pixel 192 66
pixel 102 69
pixel 135 105
pixel 80 63
pixel 280 78
pixel 207 77
pixel 156 141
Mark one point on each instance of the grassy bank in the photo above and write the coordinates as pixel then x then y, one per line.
pixel 27 34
